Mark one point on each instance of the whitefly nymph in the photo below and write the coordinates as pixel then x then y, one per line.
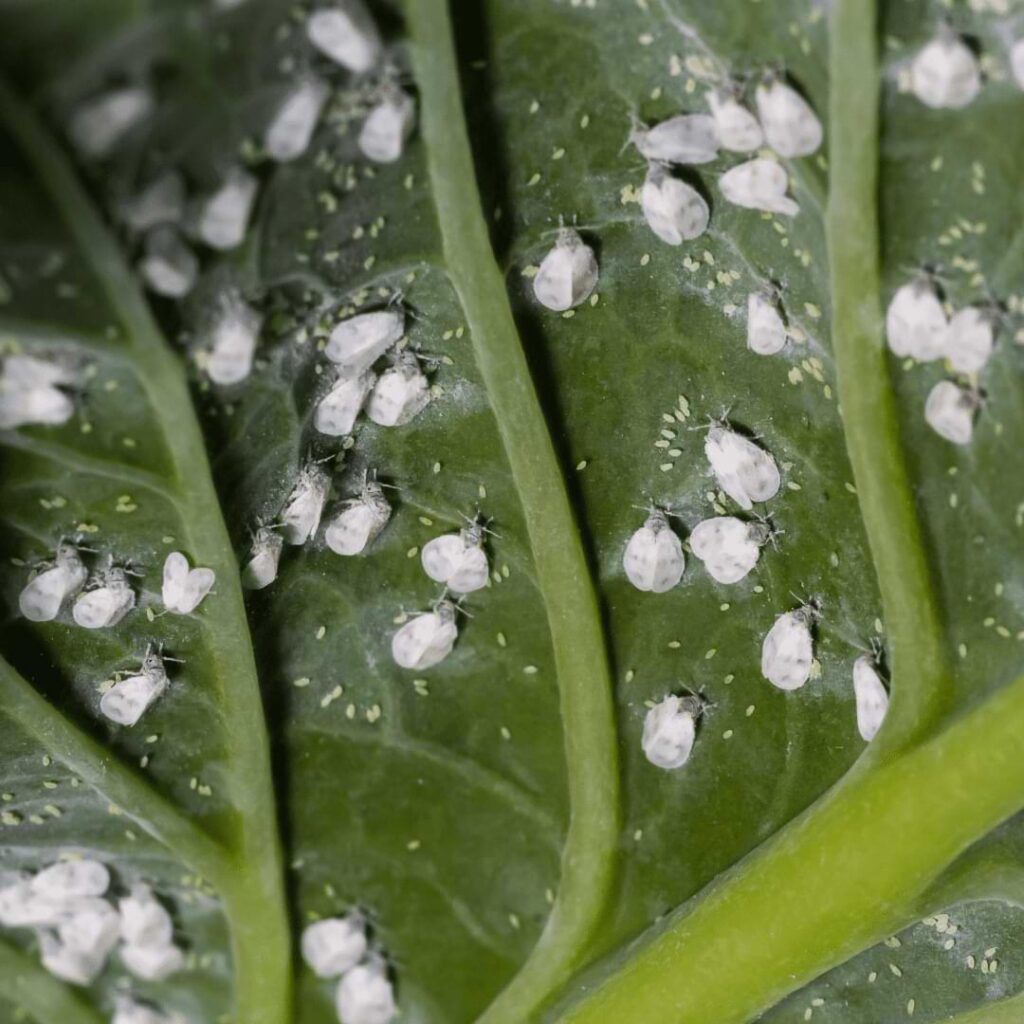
pixel 426 639
pixel 670 728
pixel 787 653
pixel 746 472
pixel 457 560
pixel 653 560
pixel 568 273
pixel 358 524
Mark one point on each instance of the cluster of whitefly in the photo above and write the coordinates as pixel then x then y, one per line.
pixel 917 327
pixel 78 924
pixel 337 947
pixel 674 209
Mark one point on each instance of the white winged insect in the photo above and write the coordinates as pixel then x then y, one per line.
pixel 458 560
pixel 1017 62
pixel 791 127
pixel 152 963
pixel 567 275
pixel 684 139
pixel 653 560
pixel 365 994
pixel 728 547
pixel 30 392
pixel 337 411
pixel 106 600
pixel 353 529
pixel 915 322
pixel 345 32
pixel 304 506
pixel 168 266
pixel 387 126
pixel 871 696
pixel 787 652
pixel 759 184
pixel 22 907
pixel 949 410
pixel 91 925
pixel 43 596
pixel 766 330
pixel 334 945
pixel 290 130
pixel 426 639
pixel 970 339
pixel 71 879
pixel 127 1011
pixel 744 471
pixel 670 728
pixel 674 211
pixel 75 966
pixel 357 343
pixel 161 201
pixel 144 921
pixel 129 698
pixel 224 217
pixel 945 74
pixel 400 394
pixel 736 127
pixel 261 569
pixel 99 125
pixel 184 588
pixel 229 345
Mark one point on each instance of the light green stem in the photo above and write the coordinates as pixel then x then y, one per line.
pixel 1002 1011
pixel 584 681
pixel 254 895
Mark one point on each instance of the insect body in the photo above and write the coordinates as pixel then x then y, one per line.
pixel 728 547
pixel 427 639
pixel 129 698
pixel 567 274
pixel 356 526
pixel 670 728
pixel 653 559
pixel 744 471
pixel 457 560
pixel 43 596
pixel 787 652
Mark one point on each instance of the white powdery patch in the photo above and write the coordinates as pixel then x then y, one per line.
pixel 335 945
pixel 736 127
pixel 229 346
pixel 353 529
pixel 568 273
pixel 766 330
pixel 224 217
pixel 129 698
pixel 427 639
pixel 401 393
pixel 290 131
pixel 30 392
pixel 100 124
pixel 871 696
pixel 304 506
pixel 670 728
pixel 184 588
pixel 1017 62
pixel 347 35
pixel 365 995
pixel 685 139
pixel 759 184
pixel 261 569
pixel 457 560
pixel 127 1011
pixel 337 411
pixel 945 74
pixel 949 410
pixel 787 653
pixel 162 201
pixel 107 599
pixel 744 471
pixel 970 339
pixel 653 560
pixel 357 343
pixel 674 211
pixel 387 126
pixel 790 126
pixel 915 322
pixel 167 265
pixel 728 547
pixel 42 598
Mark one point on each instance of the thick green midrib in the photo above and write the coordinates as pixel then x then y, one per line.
pixel 563 577
pixel 27 986
pixel 913 623
pixel 254 894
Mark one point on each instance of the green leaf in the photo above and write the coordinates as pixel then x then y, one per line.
pixel 517 856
